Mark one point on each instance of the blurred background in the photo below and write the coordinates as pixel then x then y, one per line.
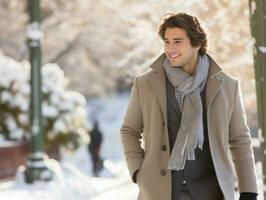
pixel 91 52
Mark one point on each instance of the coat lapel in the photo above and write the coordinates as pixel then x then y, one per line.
pixel 214 82
pixel 158 83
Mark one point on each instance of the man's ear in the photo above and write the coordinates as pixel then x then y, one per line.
pixel 198 47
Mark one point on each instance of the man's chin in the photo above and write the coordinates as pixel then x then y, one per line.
pixel 174 64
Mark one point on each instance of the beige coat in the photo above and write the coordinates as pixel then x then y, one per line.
pixel 146 119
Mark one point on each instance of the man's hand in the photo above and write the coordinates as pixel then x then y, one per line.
pixel 135 176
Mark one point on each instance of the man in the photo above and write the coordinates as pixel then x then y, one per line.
pixel 189 115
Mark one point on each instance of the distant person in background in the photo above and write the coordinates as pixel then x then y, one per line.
pixel 94 148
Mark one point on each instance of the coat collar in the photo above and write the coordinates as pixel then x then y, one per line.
pixel 157 81
pixel 214 82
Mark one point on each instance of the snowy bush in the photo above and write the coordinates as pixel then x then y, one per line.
pixel 64 113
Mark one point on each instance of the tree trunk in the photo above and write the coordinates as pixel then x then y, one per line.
pixel 258 28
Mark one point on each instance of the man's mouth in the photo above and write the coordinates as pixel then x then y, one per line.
pixel 173 56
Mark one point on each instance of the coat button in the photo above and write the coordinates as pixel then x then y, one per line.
pixel 163 147
pixel 184 182
pixel 163 172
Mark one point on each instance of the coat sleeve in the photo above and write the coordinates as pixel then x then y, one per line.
pixel 240 146
pixel 131 132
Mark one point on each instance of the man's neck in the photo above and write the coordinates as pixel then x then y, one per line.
pixel 190 67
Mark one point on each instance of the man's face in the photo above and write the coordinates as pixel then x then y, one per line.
pixel 178 48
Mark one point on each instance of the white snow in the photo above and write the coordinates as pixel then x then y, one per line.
pixel 70 184
pixel 34 31
pixel 73 181
pixel 263 49
pixel 253 7
pixel 73 177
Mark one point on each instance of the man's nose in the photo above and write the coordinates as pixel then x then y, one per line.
pixel 171 47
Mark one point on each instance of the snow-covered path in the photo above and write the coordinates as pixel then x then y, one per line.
pixel 125 192
pixel 72 184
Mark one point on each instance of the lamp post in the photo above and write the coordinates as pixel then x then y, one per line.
pixel 36 166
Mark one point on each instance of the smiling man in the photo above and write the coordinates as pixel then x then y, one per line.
pixel 184 117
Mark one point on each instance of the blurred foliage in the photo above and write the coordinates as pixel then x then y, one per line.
pixel 103 45
pixel 64 111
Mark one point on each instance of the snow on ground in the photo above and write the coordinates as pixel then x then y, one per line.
pixel 73 181
pixel 71 184
pixel 125 192
pixel 73 177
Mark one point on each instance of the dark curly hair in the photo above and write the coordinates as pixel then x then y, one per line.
pixel 193 28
